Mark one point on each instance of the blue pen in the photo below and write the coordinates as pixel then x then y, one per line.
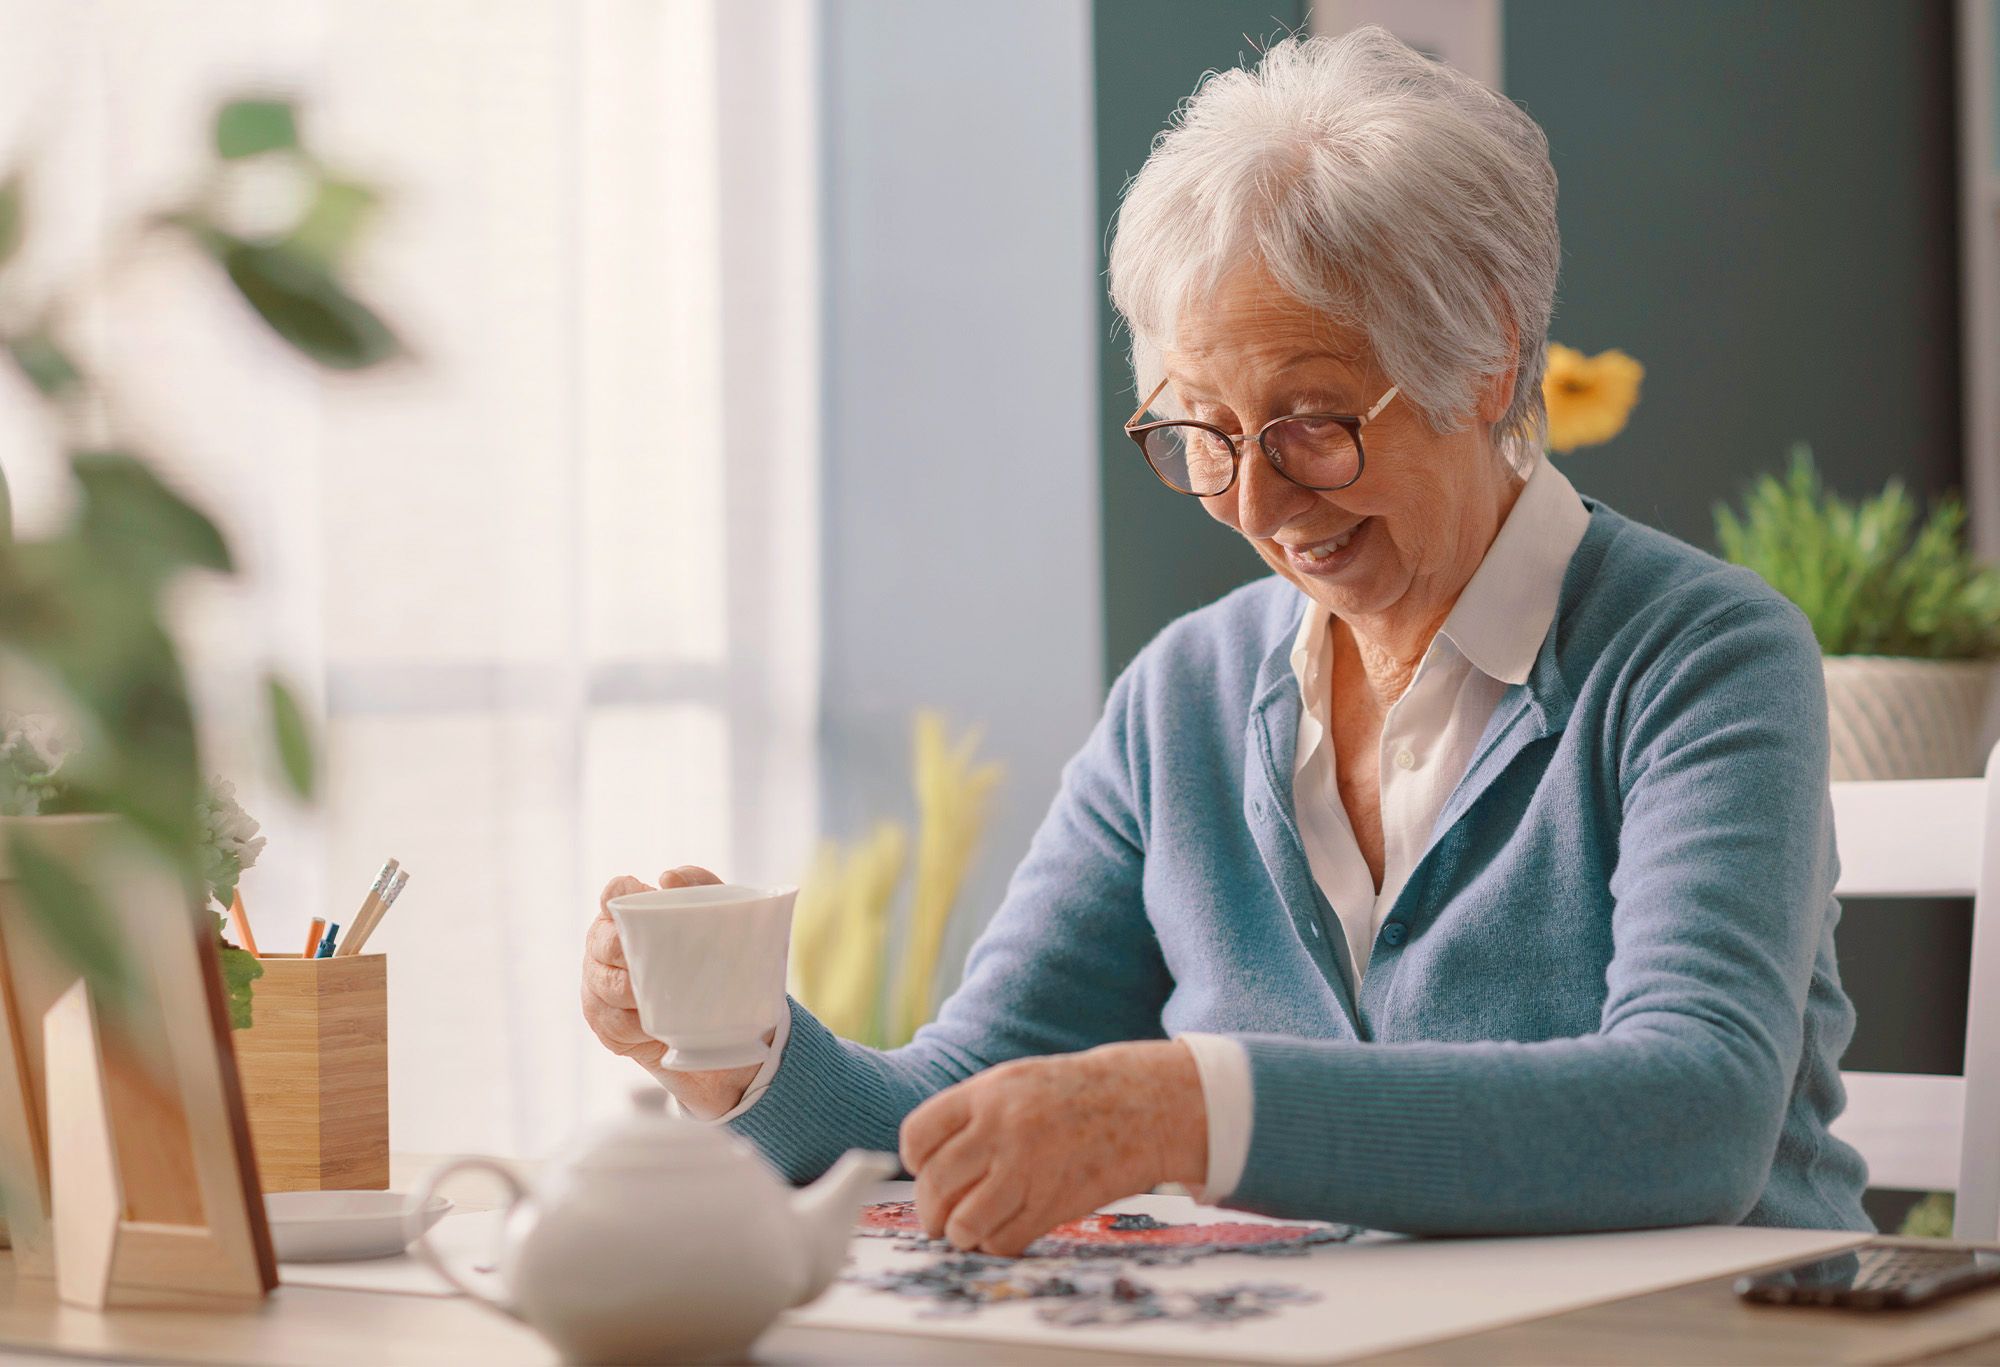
pixel 325 950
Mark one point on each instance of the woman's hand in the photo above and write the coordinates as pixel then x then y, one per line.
pixel 1005 1156
pixel 613 1015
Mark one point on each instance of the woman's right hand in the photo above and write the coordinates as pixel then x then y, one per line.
pixel 613 1015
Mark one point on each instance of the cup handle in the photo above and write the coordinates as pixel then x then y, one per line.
pixel 421 1244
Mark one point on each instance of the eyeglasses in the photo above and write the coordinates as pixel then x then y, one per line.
pixel 1313 450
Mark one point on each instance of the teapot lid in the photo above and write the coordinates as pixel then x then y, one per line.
pixel 648 1137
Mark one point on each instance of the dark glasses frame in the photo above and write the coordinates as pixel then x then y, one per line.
pixel 1353 422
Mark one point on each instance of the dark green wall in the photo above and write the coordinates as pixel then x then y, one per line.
pixel 1162 555
pixel 1757 201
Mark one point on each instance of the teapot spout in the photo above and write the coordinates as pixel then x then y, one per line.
pixel 826 1212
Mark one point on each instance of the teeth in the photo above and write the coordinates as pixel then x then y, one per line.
pixel 1324 549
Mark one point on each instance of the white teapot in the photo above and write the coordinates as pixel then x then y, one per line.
pixel 663 1240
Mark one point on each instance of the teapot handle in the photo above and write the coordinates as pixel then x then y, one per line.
pixel 429 1256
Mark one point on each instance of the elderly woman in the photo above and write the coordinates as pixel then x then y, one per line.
pixel 1472 873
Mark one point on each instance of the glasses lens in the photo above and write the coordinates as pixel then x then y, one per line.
pixel 1192 459
pixel 1316 452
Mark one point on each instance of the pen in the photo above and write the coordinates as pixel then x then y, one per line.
pixel 326 945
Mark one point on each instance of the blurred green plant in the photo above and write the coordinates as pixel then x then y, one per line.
pixel 81 611
pixel 1930 1218
pixel 840 946
pixel 1869 578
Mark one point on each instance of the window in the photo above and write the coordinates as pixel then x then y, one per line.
pixel 555 606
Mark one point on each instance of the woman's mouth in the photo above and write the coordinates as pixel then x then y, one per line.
pixel 1332 555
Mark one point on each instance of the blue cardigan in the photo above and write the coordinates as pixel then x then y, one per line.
pixel 1606 999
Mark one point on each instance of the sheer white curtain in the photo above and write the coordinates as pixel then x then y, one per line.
pixel 552 586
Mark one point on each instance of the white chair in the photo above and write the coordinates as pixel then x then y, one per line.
pixel 1932 838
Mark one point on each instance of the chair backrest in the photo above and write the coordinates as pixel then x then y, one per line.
pixel 1932 838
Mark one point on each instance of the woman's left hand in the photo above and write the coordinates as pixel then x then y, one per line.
pixel 1007 1155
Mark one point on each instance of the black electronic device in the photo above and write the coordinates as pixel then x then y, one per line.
pixel 1875 1277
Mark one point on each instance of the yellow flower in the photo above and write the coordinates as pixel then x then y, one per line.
pixel 1589 397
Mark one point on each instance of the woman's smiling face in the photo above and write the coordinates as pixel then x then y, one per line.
pixel 1405 536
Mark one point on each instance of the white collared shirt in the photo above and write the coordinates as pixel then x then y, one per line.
pixel 1487 644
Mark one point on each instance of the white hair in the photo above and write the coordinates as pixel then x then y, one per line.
pixel 1391 193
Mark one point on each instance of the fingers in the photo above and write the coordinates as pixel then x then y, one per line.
pixel 601 943
pixel 645 1051
pixel 610 984
pixel 957 1166
pixel 620 886
pixel 1009 1237
pixel 927 1127
pixel 991 1218
pixel 687 876
pixel 618 1029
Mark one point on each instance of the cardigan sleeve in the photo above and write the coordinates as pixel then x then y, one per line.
pixel 1068 962
pixel 1670 1113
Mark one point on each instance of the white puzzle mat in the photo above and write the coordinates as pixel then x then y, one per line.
pixel 1371 1295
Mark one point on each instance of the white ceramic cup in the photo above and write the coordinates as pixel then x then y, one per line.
pixel 708 968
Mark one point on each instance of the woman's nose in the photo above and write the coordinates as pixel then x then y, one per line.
pixel 1265 499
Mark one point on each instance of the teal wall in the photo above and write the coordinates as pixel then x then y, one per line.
pixel 1757 201
pixel 1162 554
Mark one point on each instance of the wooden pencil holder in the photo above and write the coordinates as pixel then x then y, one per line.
pixel 315 1068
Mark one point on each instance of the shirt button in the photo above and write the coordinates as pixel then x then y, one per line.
pixel 1393 933
pixel 1405 760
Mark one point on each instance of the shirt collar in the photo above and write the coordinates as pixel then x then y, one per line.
pixel 1505 611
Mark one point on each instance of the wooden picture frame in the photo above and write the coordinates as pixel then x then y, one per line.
pixel 126 1165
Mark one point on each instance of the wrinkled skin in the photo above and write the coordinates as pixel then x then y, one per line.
pixel 1010 1153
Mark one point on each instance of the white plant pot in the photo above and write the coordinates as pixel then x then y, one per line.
pixel 1902 718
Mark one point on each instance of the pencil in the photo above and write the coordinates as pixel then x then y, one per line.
pixel 314 936
pixel 371 908
pixel 358 936
pixel 240 918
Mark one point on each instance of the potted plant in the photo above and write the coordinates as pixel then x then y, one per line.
pixel 1907 619
pixel 35 800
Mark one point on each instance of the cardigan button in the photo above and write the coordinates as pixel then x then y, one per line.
pixel 1394 933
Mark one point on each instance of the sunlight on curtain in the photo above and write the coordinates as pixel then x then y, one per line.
pixel 552 584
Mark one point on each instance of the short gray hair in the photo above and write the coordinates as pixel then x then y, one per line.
pixel 1392 193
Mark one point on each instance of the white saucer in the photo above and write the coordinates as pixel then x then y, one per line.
pixel 341 1226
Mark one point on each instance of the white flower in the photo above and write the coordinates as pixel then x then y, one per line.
pixel 35 740
pixel 229 827
pixel 230 843
pixel 32 747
